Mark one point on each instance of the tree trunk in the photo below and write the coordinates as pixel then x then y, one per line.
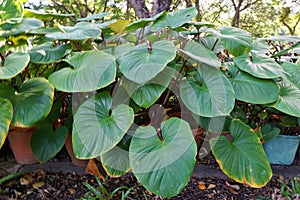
pixel 140 8
pixel 159 6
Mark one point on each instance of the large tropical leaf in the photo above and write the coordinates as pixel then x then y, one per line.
pixel 45 16
pixel 209 95
pixel 5 118
pixel 32 102
pixel 163 166
pixel 47 53
pixel 141 23
pixel 294 70
pixel 236 41
pixel 11 11
pixel 145 95
pixel 199 53
pixel 254 90
pixel 174 20
pixel 119 26
pixel 242 159
pixel 95 130
pixel 118 51
pixel 24 26
pixel 46 143
pixel 142 63
pixel 13 65
pixel 218 124
pixel 90 70
pixel 93 17
pixel 259 66
pixel 81 31
pixel 289 99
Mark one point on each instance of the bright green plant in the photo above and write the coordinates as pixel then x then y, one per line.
pixel 126 78
pixel 292 192
pixel 102 193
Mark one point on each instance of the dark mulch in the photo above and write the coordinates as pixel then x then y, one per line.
pixel 49 185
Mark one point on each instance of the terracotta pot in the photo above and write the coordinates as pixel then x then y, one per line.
pixel 69 147
pixel 19 139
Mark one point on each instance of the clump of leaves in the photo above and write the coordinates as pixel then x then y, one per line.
pixel 290 192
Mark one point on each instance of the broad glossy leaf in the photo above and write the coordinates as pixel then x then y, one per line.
pixel 116 161
pixel 119 26
pixel 95 129
pixel 46 143
pixel 243 159
pixel 260 47
pixel 174 20
pixel 141 23
pixel 259 66
pixel 32 102
pixel 254 90
pixel 145 95
pixel 13 65
pixel 47 53
pixel 294 70
pixel 211 96
pixel 283 38
pixel 89 71
pixel 202 24
pixel 209 42
pixel 199 53
pixel 118 51
pixel 218 124
pixel 28 13
pixel 81 31
pixel 163 167
pixel 140 65
pixel 289 99
pixel 268 132
pixel 11 11
pixel 93 17
pixel 5 118
pixel 26 25
pixel 236 41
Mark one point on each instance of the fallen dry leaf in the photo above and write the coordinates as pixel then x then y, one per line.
pixel 38 185
pixel 234 189
pixel 148 192
pixel 201 186
pixel 210 195
pixel 72 191
pixel 92 169
pixel 210 186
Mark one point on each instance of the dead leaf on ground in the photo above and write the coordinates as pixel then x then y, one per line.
pixel 201 186
pixel 210 195
pixel 72 191
pixel 210 186
pixel 234 189
pixel 38 185
pixel 92 169
pixel 26 180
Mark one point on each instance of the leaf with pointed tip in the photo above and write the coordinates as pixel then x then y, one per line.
pixel 91 70
pixel 13 65
pixel 163 167
pixel 5 118
pixel 95 130
pixel 147 94
pixel 81 31
pixel 46 143
pixel 250 89
pixel 26 25
pixel 289 99
pixel 140 65
pixel 259 66
pixel 174 20
pixel 212 96
pixel 119 26
pixel 199 53
pixel 32 102
pixel 243 159
pixel 47 53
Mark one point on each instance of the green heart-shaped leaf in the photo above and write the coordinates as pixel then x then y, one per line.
pixel 174 19
pixel 45 143
pixel 163 167
pixel 219 124
pixel 254 90
pixel 208 96
pixel 141 23
pixel 32 102
pixel 5 118
pixel 91 70
pixel 294 70
pixel 145 95
pixel 141 64
pixel 11 11
pixel 47 53
pixel 289 99
pixel 243 159
pixel 259 66
pixel 81 31
pixel 96 129
pixel 199 53
pixel 13 65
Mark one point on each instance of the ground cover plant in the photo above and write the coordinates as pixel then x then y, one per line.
pixel 135 89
